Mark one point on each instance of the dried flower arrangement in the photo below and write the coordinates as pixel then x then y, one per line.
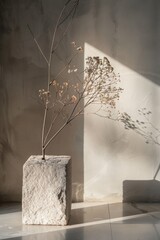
pixel 66 99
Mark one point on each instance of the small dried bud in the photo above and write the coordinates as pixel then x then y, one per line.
pixel 54 82
pixel 74 44
pixel 79 48
pixel 73 99
pixel 65 84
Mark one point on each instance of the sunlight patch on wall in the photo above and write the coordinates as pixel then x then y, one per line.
pixel 112 154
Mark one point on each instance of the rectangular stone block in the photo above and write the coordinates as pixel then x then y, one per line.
pixel 46 193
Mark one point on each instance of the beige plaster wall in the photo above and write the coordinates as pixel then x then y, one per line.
pixel 104 154
pixel 128 33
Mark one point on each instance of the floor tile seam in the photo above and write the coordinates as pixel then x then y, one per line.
pixel 107 221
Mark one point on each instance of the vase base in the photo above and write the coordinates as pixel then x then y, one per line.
pixel 46 190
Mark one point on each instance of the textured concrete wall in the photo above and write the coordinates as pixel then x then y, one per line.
pixel 22 73
pixel 128 32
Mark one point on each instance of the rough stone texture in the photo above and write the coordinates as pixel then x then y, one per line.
pixel 46 197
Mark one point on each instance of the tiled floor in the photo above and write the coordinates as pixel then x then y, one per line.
pixel 89 221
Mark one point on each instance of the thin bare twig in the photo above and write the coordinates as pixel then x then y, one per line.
pixel 37 44
pixel 51 125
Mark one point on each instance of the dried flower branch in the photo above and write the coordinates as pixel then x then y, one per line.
pixel 100 86
pixel 69 92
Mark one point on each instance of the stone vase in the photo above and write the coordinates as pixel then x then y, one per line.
pixel 46 193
